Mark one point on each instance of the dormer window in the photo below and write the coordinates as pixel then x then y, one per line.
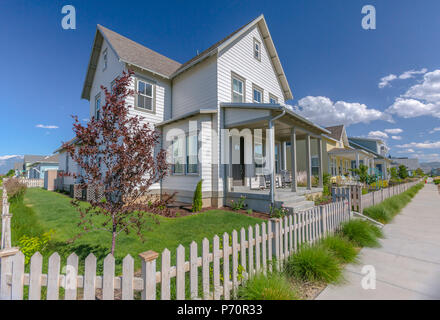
pixel 257 49
pixel 104 57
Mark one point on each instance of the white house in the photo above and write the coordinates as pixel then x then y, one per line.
pixel 237 83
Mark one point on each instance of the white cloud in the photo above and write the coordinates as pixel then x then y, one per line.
pixel 396 137
pixel 385 81
pixel 393 131
pixel 421 145
pixel 45 126
pixel 435 130
pixel 410 150
pixel 410 108
pixel 322 110
pixel 430 157
pixel 6 157
pixel 377 135
pixel 422 99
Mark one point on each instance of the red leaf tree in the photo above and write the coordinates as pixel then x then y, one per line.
pixel 118 154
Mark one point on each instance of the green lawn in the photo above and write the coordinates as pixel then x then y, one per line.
pixel 43 210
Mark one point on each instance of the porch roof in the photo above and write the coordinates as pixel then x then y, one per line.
pixel 350 153
pixel 280 108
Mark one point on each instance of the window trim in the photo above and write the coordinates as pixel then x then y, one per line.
pixel 187 135
pixel 257 88
pixel 98 96
pixel 274 97
pixel 185 154
pixel 105 59
pixel 153 83
pixel 239 78
pixel 256 41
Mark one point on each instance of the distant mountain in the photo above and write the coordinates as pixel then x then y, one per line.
pixel 7 162
pixel 427 166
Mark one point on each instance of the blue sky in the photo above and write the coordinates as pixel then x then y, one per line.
pixel 331 62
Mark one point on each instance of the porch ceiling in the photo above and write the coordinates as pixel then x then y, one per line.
pixel 349 154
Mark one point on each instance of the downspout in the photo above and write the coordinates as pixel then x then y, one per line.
pixel 272 174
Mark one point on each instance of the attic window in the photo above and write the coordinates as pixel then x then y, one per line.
pixel 257 49
pixel 104 57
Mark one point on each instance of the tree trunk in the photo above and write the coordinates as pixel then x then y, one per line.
pixel 113 240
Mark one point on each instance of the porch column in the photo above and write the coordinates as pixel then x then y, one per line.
pixel 357 160
pixel 283 153
pixel 308 163
pixel 320 163
pixel 271 154
pixel 293 157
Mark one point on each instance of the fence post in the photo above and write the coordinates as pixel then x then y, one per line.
pixel 6 270
pixel 6 222
pixel 324 221
pixel 149 274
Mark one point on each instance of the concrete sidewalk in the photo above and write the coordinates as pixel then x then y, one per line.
pixel 408 263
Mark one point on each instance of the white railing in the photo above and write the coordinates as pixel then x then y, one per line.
pixel 220 270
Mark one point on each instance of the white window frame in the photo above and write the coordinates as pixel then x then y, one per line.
pixel 273 97
pixel 256 88
pixel 187 155
pixel 98 110
pixel 181 156
pixel 105 59
pixel 152 97
pixel 236 77
pixel 257 49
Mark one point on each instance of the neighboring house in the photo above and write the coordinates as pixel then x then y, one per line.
pixel 28 160
pixel 340 157
pixel 18 168
pixel 66 166
pixel 411 164
pixel 38 168
pixel 236 84
pixel 378 148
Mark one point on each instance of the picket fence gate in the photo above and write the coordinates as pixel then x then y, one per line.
pixel 361 201
pixel 258 248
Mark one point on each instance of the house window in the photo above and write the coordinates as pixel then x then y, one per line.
pixel 192 153
pixel 273 99
pixel 257 49
pixel 98 106
pixel 257 94
pixel 104 55
pixel 258 156
pixel 315 165
pixel 179 155
pixel 144 95
pixel 237 89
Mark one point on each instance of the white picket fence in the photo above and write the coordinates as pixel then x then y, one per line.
pixel 237 257
pixel 30 183
pixel 361 201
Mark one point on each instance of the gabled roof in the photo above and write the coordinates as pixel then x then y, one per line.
pixel 261 23
pixel 47 159
pixel 140 56
pixel 129 52
pixel 30 158
pixel 336 132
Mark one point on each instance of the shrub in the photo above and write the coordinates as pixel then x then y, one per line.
pixel 278 212
pixel 342 248
pixel 249 211
pixel 239 204
pixel 362 233
pixel 30 245
pixel 274 286
pixel 15 189
pixel 197 200
pixel 314 264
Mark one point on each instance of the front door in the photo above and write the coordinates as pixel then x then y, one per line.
pixel 238 168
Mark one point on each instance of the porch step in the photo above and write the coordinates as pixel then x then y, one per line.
pixel 289 197
pixel 299 206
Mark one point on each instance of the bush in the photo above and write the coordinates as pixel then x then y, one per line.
pixel 274 286
pixel 239 204
pixel 314 264
pixel 197 200
pixel 342 248
pixel 15 189
pixel 362 233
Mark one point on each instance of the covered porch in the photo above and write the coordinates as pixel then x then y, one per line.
pixel 262 158
pixel 342 160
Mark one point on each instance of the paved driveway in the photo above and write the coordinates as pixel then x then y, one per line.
pixel 408 263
